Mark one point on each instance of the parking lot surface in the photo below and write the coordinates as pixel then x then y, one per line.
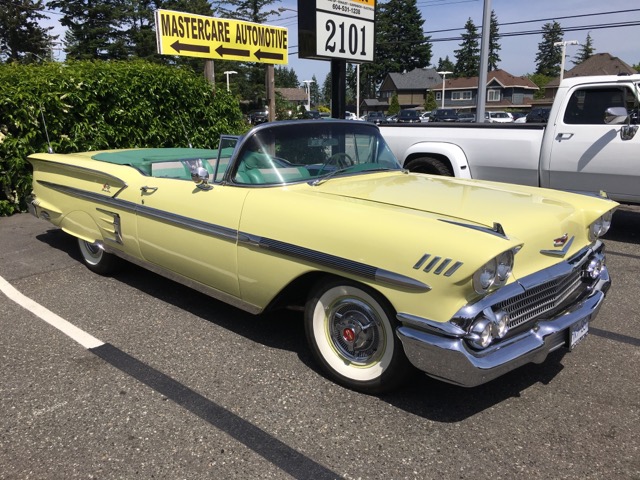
pixel 180 386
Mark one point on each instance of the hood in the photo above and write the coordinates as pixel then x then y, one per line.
pixel 536 218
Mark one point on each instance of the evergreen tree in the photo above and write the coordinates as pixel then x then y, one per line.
pixel 494 45
pixel 400 43
pixel 549 57
pixel 468 55
pixel 285 77
pixel 586 51
pixel 138 25
pixel 20 32
pixel 445 65
pixel 325 92
pixel 94 28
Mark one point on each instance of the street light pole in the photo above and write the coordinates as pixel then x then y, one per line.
pixel 444 79
pixel 227 73
pixel 308 84
pixel 564 49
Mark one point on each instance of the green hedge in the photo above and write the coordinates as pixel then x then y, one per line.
pixel 103 105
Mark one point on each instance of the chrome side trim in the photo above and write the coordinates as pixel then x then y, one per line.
pixel 497 229
pixel 334 262
pixel 96 197
pixel 224 233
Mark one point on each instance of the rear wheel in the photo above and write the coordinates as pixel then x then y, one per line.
pixel 432 166
pixel 96 259
pixel 351 333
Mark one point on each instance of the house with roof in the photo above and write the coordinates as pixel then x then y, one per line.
pixel 296 96
pixel 597 64
pixel 504 91
pixel 411 88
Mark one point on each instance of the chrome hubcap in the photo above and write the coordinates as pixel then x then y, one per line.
pixel 355 331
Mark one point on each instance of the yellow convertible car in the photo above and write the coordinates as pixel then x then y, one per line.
pixel 465 280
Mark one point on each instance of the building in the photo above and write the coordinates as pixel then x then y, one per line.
pixel 411 88
pixel 504 91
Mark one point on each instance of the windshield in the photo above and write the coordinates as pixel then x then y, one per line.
pixel 308 151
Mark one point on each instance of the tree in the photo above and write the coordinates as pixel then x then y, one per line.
pixel 445 65
pixel 541 81
pixel 586 51
pixel 549 57
pixel 494 46
pixel 430 102
pixel 468 55
pixel 20 32
pixel 94 28
pixel 286 77
pixel 394 105
pixel 400 43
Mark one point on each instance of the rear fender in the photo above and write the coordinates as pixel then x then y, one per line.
pixel 81 225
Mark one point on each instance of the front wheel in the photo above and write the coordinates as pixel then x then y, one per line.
pixel 432 166
pixel 96 259
pixel 351 333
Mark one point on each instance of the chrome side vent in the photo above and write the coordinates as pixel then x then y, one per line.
pixel 437 264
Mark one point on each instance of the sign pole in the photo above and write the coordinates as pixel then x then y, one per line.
pixel 271 91
pixel 338 87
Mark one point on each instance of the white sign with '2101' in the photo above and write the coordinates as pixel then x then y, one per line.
pixel 345 29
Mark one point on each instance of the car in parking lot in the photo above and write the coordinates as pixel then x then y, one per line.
pixel 376 117
pixel 444 115
pixel 256 117
pixel 466 117
pixel 538 115
pixel 498 117
pixel 408 116
pixel 462 279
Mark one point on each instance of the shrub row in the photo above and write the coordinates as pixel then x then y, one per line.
pixel 82 106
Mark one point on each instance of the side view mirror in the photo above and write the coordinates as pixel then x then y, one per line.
pixel 200 176
pixel 618 116
pixel 615 115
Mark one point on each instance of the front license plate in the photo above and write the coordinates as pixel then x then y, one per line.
pixel 577 332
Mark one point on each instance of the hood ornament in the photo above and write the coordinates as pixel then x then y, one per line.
pixel 564 242
pixel 559 242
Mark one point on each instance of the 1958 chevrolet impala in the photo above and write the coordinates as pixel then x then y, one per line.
pixel 465 280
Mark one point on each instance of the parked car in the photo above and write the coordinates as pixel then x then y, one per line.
pixel 538 115
pixel 284 217
pixel 376 117
pixel 409 116
pixel 424 117
pixel 392 118
pixel 498 117
pixel 256 117
pixel 444 115
pixel 466 117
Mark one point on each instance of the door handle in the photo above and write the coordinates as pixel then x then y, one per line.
pixel 563 136
pixel 146 189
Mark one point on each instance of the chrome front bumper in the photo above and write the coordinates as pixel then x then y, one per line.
pixel 450 359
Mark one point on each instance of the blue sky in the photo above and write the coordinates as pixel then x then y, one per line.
pixel 518 52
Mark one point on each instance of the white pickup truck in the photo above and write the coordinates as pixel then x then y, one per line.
pixel 589 144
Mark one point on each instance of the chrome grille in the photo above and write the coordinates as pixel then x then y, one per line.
pixel 542 299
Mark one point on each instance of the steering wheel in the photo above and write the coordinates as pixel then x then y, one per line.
pixel 340 160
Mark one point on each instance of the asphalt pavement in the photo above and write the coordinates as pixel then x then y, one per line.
pixel 180 386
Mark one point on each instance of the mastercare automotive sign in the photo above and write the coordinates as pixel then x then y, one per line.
pixel 179 33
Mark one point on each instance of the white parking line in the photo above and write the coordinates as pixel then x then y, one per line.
pixel 73 332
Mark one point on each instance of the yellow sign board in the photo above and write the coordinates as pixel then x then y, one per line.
pixel 179 33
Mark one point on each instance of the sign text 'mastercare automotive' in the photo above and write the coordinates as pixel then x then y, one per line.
pixel 179 33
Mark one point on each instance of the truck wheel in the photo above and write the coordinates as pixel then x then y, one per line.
pixel 351 333
pixel 96 259
pixel 429 165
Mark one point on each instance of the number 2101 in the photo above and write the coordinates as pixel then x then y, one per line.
pixel 353 39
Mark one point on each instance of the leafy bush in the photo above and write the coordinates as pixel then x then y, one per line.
pixel 102 105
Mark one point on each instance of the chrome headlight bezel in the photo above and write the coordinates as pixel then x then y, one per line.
pixel 495 273
pixel 600 226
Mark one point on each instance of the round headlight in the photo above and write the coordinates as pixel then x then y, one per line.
pixel 481 333
pixel 505 265
pixel 600 226
pixel 485 276
pixel 501 324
